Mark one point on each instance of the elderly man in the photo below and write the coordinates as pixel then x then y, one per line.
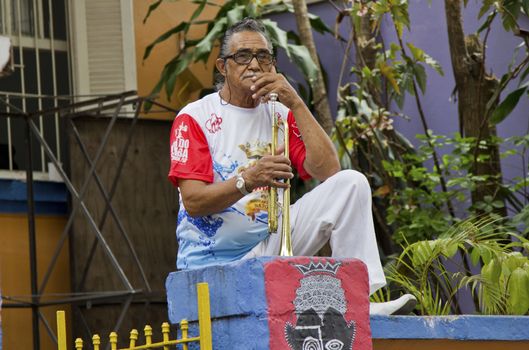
pixel 221 163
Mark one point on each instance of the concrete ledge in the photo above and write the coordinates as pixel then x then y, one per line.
pixel 465 327
pixel 236 289
pixel 278 303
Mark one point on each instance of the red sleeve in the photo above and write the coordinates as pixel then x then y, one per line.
pixel 296 147
pixel 190 156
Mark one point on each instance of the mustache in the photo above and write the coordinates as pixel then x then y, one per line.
pixel 250 75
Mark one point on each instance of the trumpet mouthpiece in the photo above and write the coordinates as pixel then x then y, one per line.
pixel 273 96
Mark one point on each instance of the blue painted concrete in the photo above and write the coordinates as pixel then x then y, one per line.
pixel 240 318
pixel 465 327
pixel 237 299
pixel 50 197
pixel 235 289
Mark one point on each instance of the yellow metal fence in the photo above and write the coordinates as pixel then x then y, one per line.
pixel 204 325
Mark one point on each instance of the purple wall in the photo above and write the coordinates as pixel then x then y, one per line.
pixel 428 32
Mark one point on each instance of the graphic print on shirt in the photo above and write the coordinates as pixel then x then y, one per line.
pixel 295 130
pixel 180 146
pixel 256 208
pixel 213 124
pixel 207 224
pixel 226 167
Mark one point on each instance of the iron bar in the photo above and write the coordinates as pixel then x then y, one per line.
pixel 21 56
pixel 32 238
pixel 74 193
pixel 49 330
pixel 86 103
pixel 39 82
pixel 168 109
pixel 108 199
pixel 54 76
pixel 9 136
pixel 115 297
pixel 108 206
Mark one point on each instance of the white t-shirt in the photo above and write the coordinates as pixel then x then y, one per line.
pixel 213 141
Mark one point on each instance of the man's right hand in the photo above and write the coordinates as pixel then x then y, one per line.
pixel 268 171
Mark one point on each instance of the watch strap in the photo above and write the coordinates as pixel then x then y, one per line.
pixel 241 185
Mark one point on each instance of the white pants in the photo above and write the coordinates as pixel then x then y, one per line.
pixel 338 210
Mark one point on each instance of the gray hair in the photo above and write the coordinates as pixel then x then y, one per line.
pixel 245 25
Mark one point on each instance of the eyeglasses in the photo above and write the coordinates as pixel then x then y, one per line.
pixel 245 57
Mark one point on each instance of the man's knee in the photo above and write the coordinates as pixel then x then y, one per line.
pixel 351 181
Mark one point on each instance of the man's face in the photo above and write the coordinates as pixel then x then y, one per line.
pixel 239 75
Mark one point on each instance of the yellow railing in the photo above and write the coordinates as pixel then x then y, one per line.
pixel 204 325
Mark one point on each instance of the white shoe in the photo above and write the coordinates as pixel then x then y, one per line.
pixel 401 306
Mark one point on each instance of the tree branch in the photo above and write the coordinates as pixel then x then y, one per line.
pixel 321 102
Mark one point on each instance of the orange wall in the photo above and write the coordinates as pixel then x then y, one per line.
pixel 166 16
pixel 15 276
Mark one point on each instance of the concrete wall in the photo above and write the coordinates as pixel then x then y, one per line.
pixel 15 275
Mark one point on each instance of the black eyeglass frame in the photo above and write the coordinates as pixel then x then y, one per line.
pixel 254 55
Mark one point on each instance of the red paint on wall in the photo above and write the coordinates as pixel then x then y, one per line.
pixel 318 304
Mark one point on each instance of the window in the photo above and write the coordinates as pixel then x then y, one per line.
pixel 37 29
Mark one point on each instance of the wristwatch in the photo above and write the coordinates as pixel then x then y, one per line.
pixel 241 185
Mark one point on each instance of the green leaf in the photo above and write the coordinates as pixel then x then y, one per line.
pixel 485 8
pixel 510 12
pixel 525 7
pixel 474 256
pixel 152 7
pixel 434 64
pixel 420 75
pixel 422 252
pixel 449 250
pixel 507 105
pixel 318 25
pixel 198 11
pixel 301 57
pixel 204 47
pixel 389 73
pixel 173 71
pixel 518 293
pixel 526 71
pixel 235 15
pixel 155 91
pixel 278 36
pixel 418 54
pixel 491 272
pixel 182 26
pixel 487 22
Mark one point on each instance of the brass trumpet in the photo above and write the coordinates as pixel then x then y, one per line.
pixel 286 242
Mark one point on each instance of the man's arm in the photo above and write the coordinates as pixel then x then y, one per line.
pixel 201 198
pixel 321 159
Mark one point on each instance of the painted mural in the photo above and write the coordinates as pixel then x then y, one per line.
pixel 318 304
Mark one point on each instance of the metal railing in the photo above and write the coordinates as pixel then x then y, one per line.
pixel 204 324
pixel 111 109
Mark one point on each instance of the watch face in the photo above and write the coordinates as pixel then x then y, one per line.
pixel 241 186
